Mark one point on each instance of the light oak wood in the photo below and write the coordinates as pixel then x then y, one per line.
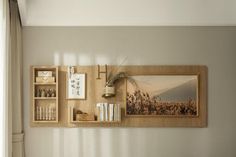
pixel 94 89
pixel 43 101
pixel 45 98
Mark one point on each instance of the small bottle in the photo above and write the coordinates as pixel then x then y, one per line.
pixel 43 93
pixel 38 93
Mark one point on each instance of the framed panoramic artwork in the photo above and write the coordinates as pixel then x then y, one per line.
pixel 162 95
pixel 166 96
pixel 76 86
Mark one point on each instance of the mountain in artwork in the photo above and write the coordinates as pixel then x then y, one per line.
pixel 180 93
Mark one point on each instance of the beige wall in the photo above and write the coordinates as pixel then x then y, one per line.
pixel 128 12
pixel 211 46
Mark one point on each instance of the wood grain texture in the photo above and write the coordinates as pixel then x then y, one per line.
pixel 44 101
pixel 94 89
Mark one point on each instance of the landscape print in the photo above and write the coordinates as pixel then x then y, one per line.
pixel 164 95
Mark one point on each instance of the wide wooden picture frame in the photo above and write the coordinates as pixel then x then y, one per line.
pixel 180 118
pixel 172 95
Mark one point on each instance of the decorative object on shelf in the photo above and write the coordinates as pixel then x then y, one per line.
pixel 44 73
pixel 45 79
pixel 76 84
pixel 109 90
pixel 163 95
pixel 52 92
pixel 102 72
pixel 43 93
pixel 85 117
pixel 38 93
pixel 114 76
pixel 47 93
pixel 79 115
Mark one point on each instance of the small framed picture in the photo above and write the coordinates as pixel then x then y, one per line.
pixel 76 86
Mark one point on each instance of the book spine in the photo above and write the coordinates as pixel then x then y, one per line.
pixel 118 113
pixel 101 109
pixel 106 111
pixel 115 112
pixel 46 113
pixel 40 113
pixel 98 111
pixel 49 113
pixel 37 113
pixel 111 112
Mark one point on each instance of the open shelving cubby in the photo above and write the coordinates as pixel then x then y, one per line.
pixel 44 96
pixel 72 119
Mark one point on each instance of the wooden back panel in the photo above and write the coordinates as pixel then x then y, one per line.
pixel 94 89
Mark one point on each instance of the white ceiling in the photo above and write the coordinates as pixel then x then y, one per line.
pixel 127 12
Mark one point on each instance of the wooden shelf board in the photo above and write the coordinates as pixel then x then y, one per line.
pixel 45 98
pixel 35 83
pixel 45 121
pixel 97 122
pixel 43 67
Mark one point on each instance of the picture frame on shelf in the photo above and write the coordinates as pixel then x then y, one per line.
pixel 76 86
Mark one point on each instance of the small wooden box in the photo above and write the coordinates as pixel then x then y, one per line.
pixel 45 79
pixel 85 117
pixel 44 73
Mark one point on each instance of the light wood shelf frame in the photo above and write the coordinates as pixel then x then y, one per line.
pixel 34 99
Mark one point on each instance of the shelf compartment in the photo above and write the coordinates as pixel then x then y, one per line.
pixel 72 120
pixel 44 109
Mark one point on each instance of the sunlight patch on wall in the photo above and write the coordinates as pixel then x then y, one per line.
pixel 56 58
pixel 70 59
pixel 85 59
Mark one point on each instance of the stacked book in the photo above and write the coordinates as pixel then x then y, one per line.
pixel 45 113
pixel 109 112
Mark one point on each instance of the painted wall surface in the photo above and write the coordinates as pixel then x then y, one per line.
pixel 127 12
pixel 211 46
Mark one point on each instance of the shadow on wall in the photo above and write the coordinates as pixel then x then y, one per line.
pixel 100 142
pixel 95 142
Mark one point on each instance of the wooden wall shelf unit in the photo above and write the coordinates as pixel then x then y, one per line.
pixel 44 95
pixel 94 91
